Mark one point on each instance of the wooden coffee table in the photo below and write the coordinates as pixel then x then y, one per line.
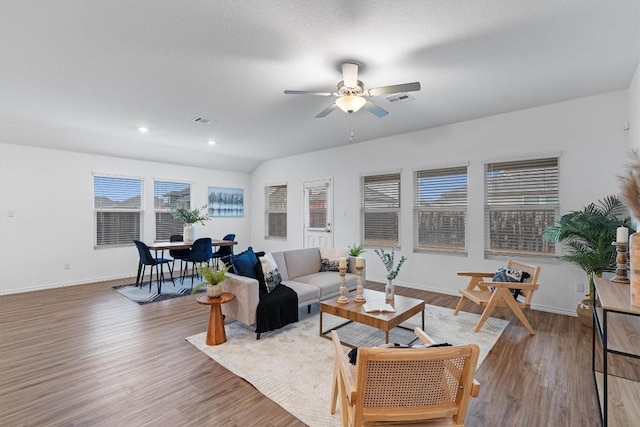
pixel 352 311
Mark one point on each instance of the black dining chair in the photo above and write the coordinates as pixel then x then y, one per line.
pixel 200 252
pixel 146 259
pixel 180 254
pixel 224 251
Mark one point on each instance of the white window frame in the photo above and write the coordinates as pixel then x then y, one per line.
pixel 111 205
pixel 162 214
pixel 513 187
pixel 273 206
pixel 441 195
pixel 380 195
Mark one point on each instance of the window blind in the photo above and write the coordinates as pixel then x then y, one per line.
pixel 440 209
pixel 521 201
pixel 169 195
pixel 380 209
pixel 317 207
pixel 276 211
pixel 118 210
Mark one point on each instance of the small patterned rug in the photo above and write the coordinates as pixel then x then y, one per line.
pixel 144 295
pixel 293 366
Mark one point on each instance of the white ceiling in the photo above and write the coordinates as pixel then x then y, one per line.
pixel 83 75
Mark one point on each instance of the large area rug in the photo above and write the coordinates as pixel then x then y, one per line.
pixel 142 295
pixel 293 366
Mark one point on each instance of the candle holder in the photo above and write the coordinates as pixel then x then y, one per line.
pixel 342 299
pixel 621 262
pixel 359 297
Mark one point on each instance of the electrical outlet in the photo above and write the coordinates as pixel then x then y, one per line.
pixel 579 287
pixel 67 265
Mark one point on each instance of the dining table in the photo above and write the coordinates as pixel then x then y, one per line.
pixel 163 246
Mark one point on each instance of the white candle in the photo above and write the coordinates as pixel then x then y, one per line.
pixel 359 261
pixel 622 235
pixel 342 263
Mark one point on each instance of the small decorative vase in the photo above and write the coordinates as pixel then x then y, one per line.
pixel 389 291
pixel 189 233
pixel 634 268
pixel 214 291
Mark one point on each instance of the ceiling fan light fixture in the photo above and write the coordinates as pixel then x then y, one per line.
pixel 350 103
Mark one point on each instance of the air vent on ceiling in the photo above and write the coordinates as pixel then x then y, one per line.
pixel 399 97
pixel 202 120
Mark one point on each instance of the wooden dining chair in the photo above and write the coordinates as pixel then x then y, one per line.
pixel 482 291
pixel 401 386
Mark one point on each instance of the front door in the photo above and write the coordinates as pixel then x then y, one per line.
pixel 318 214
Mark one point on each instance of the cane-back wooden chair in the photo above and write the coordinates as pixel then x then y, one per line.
pixel 494 295
pixel 404 386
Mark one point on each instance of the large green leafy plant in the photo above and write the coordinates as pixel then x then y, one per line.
pixel 587 235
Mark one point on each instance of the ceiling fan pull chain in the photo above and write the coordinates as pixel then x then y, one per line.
pixel 351 126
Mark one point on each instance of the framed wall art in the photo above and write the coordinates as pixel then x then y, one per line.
pixel 226 202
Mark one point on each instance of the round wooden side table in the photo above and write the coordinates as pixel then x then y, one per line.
pixel 215 329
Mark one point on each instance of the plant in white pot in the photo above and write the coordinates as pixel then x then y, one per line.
pixel 190 217
pixel 214 279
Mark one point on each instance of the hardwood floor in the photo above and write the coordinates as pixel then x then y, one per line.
pixel 85 355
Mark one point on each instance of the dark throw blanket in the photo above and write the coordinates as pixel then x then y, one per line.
pixel 276 309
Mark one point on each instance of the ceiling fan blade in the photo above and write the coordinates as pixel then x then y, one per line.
pixel 350 74
pixel 326 111
pixel 374 109
pixel 387 90
pixel 307 92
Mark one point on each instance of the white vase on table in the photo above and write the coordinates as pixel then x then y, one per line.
pixel 189 233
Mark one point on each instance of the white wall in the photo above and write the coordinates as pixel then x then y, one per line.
pixel 50 193
pixel 589 133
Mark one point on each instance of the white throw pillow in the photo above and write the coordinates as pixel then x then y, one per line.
pixel 272 276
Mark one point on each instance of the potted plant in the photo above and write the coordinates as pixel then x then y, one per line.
pixel 190 217
pixel 356 250
pixel 587 235
pixel 214 279
pixel 388 259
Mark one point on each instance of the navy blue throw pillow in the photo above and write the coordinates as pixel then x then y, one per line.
pixel 244 264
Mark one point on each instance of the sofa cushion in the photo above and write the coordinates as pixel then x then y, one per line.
pixel 244 263
pixel 301 262
pixel 307 294
pixel 328 282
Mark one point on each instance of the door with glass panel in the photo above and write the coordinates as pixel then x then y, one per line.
pixel 318 214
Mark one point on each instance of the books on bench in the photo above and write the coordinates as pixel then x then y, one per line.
pixel 373 307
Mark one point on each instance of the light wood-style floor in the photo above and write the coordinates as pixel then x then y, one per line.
pixel 86 355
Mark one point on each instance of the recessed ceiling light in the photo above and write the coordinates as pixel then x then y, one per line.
pixel 211 142
pixel 143 129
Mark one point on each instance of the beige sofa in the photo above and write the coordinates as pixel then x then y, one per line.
pixel 300 270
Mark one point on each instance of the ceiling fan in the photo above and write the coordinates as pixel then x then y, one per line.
pixel 352 96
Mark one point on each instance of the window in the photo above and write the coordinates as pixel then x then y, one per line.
pixel 440 209
pixel 317 207
pixel 380 209
pixel 521 201
pixel 118 210
pixel 276 211
pixel 168 195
